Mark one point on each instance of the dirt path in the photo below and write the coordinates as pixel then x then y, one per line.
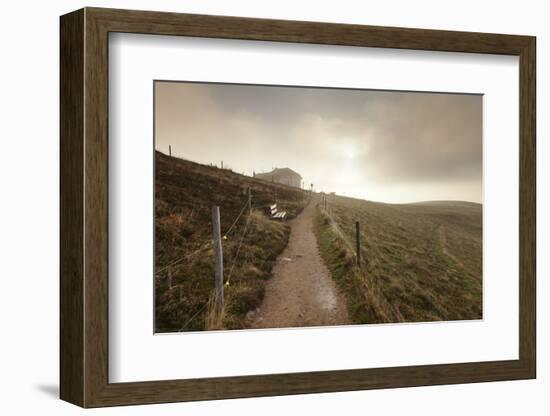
pixel 301 291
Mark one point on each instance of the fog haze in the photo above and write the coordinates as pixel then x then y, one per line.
pixel 377 145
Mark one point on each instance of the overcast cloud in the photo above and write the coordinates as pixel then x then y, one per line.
pixel 377 145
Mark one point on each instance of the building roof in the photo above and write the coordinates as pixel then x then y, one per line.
pixel 277 172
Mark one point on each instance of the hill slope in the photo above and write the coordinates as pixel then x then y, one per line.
pixel 422 262
pixel 184 194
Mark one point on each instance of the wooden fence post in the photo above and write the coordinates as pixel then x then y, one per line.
pixel 170 150
pixel 358 243
pixel 216 231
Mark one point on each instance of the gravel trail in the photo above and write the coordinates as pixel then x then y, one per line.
pixel 301 291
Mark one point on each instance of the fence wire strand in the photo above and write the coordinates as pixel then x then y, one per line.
pixel 236 220
pixel 184 327
pixel 187 256
pixel 238 250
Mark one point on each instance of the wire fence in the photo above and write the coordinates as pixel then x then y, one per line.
pixel 210 244
pixel 186 257
pixel 238 251
pixel 207 245
pixel 204 246
pixel 344 236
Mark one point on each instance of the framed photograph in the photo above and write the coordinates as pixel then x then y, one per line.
pixel 255 207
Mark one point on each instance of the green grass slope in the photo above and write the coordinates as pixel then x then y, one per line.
pixel 184 281
pixel 422 262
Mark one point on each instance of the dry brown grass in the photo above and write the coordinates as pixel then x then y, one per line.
pixel 185 193
pixel 422 262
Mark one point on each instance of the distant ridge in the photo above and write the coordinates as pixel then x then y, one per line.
pixel 449 202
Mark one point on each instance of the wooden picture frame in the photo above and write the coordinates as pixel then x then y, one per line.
pixel 84 207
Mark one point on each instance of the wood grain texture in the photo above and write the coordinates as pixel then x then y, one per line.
pixel 527 208
pixel 71 213
pixel 162 23
pixel 96 219
pixel 84 207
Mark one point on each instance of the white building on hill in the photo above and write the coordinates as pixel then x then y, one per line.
pixel 284 176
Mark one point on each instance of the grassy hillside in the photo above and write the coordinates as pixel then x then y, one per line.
pixel 422 262
pixel 185 193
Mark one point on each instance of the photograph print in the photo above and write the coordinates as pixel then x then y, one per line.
pixel 287 206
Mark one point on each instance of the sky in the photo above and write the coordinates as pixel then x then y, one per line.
pixel 387 146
